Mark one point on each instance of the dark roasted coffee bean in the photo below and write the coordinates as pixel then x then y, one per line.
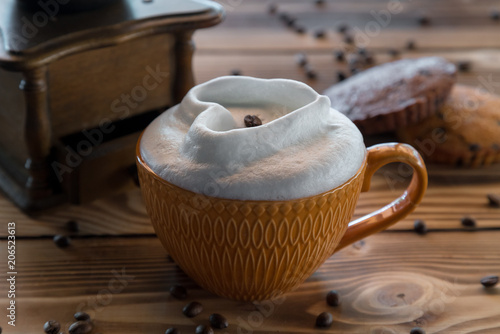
pixel 299 29
pixel 410 45
pixel 202 329
pixel 495 15
pixel 62 241
pixel 369 60
pixel 489 281
pixel 468 222
pixel 192 309
pixel 324 320
pixel 417 330
pixel 178 291
pixel 218 321
pixel 354 70
pixel 423 20
pixel 464 65
pixel 348 39
pixel 51 327
pixel 319 2
pixel 251 121
pixel 340 76
pixel 301 59
pixel 72 226
pixel 420 227
pixel 272 8
pixel 339 55
pixel 493 200
pixel 342 28
pixel 82 316
pixel 80 327
pixel 319 33
pixel 290 22
pixel 172 330
pixel 310 72
pixel 393 52
pixel 235 72
pixel 333 298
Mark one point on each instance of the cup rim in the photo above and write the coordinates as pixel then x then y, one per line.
pixel 143 163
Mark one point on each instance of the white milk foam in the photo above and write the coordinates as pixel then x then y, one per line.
pixel 302 149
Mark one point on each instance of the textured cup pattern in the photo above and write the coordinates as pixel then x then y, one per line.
pixel 248 250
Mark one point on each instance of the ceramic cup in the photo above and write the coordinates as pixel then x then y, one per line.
pixel 256 250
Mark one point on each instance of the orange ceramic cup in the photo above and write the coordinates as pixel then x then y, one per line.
pixel 256 250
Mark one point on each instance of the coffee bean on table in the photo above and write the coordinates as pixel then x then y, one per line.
pixel 489 281
pixel 333 298
pixel 410 45
pixel 348 39
pixel 62 241
pixel 319 2
pixel 495 15
pixel 423 20
pixel 417 330
pixel 420 227
pixel 172 330
pixel 320 33
pixel 339 55
pixel 342 28
pixel 494 200
pixel 468 222
pixel 82 316
pixel 310 72
pixel 218 321
pixel 324 320
pixel 301 59
pixel 72 226
pixel 192 309
pixel 341 76
pixel 51 327
pixel 299 29
pixel 80 327
pixel 178 291
pixel 252 120
pixel 393 52
pixel 202 329
pixel 464 65
pixel 272 8
pixel 235 72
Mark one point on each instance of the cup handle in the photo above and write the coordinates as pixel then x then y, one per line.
pixel 378 156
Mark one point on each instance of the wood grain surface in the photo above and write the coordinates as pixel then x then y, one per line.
pixel 117 270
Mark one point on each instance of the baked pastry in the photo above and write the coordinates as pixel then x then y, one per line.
pixel 393 95
pixel 465 132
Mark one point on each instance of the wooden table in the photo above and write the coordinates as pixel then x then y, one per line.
pixel 117 271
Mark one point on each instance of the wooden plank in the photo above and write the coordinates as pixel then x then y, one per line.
pixel 392 281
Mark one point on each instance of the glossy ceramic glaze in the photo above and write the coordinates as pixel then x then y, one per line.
pixel 255 250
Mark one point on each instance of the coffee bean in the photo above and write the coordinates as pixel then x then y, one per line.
pixel 319 2
pixel 301 59
pixel 82 316
pixel 468 222
pixel 464 65
pixel 272 8
pixel 235 72
pixel 290 21
pixel 494 200
pixel 202 329
pixel 369 60
pixel 340 76
pixel 489 281
pixel 251 121
pixel 72 226
pixel 423 20
pixel 348 39
pixel 420 227
pixel 172 330
pixel 192 309
pixel 339 55
pixel 299 29
pixel 80 327
pixel 324 320
pixel 62 241
pixel 393 52
pixel 319 33
pixel 495 15
pixel 178 291
pixel 354 70
pixel 51 327
pixel 218 321
pixel 342 28
pixel 410 45
pixel 474 147
pixel 333 298
pixel 417 330
pixel 310 72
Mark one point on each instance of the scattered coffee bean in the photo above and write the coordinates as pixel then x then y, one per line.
pixel 319 33
pixel 299 29
pixel 494 200
pixel 341 76
pixel 420 227
pixel 62 241
pixel 417 330
pixel 333 298
pixel 310 72
pixel 394 52
pixel 82 316
pixel 489 281
pixel 339 55
pixel 72 226
pixel 218 321
pixel 172 330
pixel 348 39
pixel 324 320
pixel 284 16
pixel 202 329
pixel 80 327
pixel 342 28
pixel 423 20
pixel 51 327
pixel 192 309
pixel 354 70
pixel 468 222
pixel 251 121
pixel 178 291
pixel 272 8
pixel 410 45
pixel 319 2
pixel 464 65
pixel 235 72
pixel 495 15
pixel 301 59
pixel 290 22
pixel 369 60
